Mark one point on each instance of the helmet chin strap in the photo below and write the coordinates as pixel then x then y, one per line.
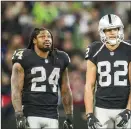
pixel 113 41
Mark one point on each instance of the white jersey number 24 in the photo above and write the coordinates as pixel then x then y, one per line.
pixel 53 79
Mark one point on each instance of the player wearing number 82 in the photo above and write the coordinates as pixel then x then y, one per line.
pixel 38 71
pixel 109 66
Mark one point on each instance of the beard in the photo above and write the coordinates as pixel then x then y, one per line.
pixel 45 49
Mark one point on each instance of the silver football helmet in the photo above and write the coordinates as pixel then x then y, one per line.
pixel 111 21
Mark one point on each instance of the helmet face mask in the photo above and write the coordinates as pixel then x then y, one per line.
pixel 111 21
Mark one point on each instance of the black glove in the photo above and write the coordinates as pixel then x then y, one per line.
pixel 92 121
pixel 123 117
pixel 21 121
pixel 68 123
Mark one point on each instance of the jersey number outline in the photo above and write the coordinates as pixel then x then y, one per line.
pixel 19 54
pixel 53 79
pixel 87 52
pixel 117 74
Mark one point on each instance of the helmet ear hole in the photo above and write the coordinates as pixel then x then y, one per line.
pixel 102 36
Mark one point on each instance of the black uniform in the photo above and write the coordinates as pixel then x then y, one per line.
pixel 112 74
pixel 41 81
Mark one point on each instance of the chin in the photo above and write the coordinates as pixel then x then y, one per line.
pixel 45 49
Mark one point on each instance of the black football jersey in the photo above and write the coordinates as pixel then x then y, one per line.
pixel 41 81
pixel 112 77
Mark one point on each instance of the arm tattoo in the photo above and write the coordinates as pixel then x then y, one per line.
pixel 68 102
pixel 67 95
pixel 17 81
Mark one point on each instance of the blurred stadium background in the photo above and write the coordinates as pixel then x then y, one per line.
pixel 74 26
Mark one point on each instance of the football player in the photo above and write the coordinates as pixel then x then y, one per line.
pixel 38 71
pixel 109 68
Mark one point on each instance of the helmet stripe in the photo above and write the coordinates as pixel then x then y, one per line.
pixel 109 17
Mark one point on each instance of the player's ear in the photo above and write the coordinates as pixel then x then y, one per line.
pixel 34 41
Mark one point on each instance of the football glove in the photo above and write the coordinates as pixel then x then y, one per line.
pixel 92 121
pixel 123 117
pixel 21 121
pixel 68 123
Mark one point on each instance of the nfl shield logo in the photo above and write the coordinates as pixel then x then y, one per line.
pixel 112 53
pixel 46 60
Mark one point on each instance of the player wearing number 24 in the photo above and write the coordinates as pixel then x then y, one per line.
pixel 109 69
pixel 38 71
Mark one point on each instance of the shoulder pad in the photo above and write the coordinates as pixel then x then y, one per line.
pixel 128 42
pixel 64 56
pixel 18 55
pixel 92 49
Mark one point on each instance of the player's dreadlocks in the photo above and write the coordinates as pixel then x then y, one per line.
pixel 34 34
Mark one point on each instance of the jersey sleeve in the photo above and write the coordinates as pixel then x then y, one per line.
pixel 128 42
pixel 66 59
pixel 90 52
pixel 129 55
pixel 18 57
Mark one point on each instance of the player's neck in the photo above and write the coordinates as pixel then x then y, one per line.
pixel 41 53
pixel 112 47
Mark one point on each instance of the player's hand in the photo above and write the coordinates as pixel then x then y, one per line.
pixel 92 121
pixel 21 121
pixel 68 123
pixel 123 117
